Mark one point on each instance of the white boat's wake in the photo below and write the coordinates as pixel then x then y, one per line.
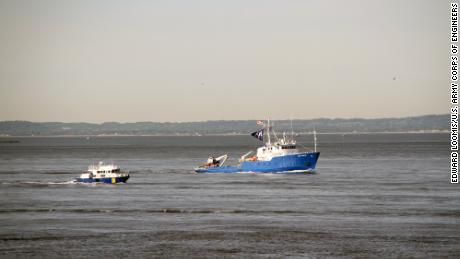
pixel 52 183
pixel 39 183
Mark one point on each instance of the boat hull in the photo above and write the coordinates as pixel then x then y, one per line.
pixel 121 179
pixel 295 163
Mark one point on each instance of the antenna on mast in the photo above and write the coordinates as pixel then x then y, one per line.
pixel 314 136
pixel 274 132
pixel 268 131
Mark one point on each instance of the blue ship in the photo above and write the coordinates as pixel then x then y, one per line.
pixel 280 156
pixel 103 173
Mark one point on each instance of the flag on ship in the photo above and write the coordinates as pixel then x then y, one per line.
pixel 258 134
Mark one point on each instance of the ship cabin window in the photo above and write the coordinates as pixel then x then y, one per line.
pixel 288 147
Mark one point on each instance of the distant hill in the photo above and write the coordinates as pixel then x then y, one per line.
pixel 419 123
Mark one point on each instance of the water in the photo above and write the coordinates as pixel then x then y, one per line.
pixel 373 196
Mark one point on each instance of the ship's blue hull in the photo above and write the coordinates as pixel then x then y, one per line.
pixel 301 162
pixel 122 179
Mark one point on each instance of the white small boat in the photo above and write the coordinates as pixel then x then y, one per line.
pixel 102 173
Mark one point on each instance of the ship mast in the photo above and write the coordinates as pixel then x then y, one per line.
pixel 268 132
pixel 314 135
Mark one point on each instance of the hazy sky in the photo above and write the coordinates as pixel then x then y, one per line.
pixel 174 60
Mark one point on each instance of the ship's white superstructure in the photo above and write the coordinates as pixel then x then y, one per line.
pixel 280 147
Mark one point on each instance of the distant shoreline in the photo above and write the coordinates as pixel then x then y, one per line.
pixel 426 123
pixel 223 134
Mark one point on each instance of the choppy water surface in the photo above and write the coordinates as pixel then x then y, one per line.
pixel 377 195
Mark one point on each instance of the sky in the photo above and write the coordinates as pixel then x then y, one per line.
pixel 179 60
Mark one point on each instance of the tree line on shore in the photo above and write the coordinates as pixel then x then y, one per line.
pixel 323 125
